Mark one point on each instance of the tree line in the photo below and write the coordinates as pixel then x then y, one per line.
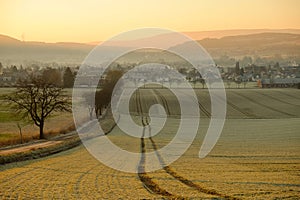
pixel 53 76
pixel 63 77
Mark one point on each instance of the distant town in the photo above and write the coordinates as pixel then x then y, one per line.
pixel 274 75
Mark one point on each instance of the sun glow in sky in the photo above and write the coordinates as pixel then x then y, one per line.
pixel 98 20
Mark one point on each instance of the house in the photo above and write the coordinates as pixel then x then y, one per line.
pixel 279 82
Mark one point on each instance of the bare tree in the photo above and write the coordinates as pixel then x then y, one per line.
pixel 21 123
pixel 103 97
pixel 202 81
pixel 90 103
pixel 38 99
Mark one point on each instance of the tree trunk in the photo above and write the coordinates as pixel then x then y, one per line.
pixel 91 112
pixel 42 130
pixel 98 111
pixel 20 131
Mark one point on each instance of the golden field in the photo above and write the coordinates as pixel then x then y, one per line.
pixel 256 157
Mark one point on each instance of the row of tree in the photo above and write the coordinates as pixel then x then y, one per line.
pixel 53 76
pixel 104 95
pixel 63 77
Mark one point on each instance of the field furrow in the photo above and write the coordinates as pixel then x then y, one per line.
pixel 167 177
pixel 256 157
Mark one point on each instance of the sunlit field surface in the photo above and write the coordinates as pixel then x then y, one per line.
pixel 256 157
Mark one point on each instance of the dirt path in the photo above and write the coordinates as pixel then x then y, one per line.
pixel 30 147
pixel 44 144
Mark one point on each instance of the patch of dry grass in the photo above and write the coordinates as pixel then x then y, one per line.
pixel 59 124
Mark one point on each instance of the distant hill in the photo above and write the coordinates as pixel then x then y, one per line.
pixel 259 44
pixel 217 34
pixel 199 35
pixel 8 40
pixel 18 51
pixel 262 44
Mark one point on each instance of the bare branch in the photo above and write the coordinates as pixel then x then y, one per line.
pixel 37 99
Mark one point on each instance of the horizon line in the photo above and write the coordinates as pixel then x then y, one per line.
pixel 184 32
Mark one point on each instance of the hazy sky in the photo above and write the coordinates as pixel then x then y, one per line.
pixel 98 20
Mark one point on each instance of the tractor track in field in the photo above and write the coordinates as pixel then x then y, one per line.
pixel 147 181
pixel 201 106
pixel 203 109
pixel 275 98
pixel 289 95
pixel 80 178
pixel 247 114
pixel 20 183
pixel 263 105
pixel 18 174
pixel 163 100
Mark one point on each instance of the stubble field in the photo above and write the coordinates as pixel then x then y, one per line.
pixel 256 157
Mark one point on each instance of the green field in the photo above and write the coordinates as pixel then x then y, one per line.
pixel 256 157
pixel 9 132
pixel 6 114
